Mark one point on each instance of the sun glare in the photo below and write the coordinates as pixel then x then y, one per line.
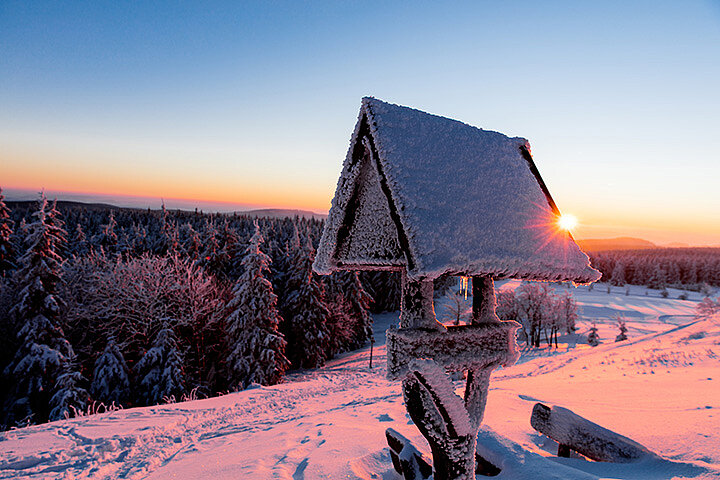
pixel 567 222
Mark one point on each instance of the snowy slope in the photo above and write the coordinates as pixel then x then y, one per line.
pixel 661 389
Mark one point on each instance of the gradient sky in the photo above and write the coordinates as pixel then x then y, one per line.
pixel 254 102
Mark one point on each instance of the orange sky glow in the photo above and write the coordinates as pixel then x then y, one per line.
pixel 210 190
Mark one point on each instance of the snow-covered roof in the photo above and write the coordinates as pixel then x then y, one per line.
pixel 435 195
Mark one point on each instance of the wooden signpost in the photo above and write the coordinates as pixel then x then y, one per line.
pixel 427 196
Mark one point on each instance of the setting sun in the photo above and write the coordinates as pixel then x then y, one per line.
pixel 567 222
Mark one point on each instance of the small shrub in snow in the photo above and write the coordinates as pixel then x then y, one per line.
pixel 593 339
pixel 623 330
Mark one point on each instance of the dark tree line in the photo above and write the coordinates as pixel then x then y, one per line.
pixel 689 268
pixel 137 307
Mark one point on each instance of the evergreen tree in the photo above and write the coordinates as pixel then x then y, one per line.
pixel 360 302
pixel 618 274
pixel 7 250
pixel 107 239
pixel 340 325
pixel 622 336
pixel 69 397
pixel 110 378
pixel 55 218
pixel 593 339
pixel 43 350
pixel 658 278
pixel 305 312
pixel 160 372
pixel 257 348
pixel 79 243
pixel 191 241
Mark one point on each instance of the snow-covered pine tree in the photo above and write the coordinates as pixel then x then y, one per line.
pixel 43 351
pixel 618 274
pixel 340 324
pixel 593 339
pixel 69 396
pixel 111 383
pixel 211 258
pixel 79 242
pixel 55 218
pixel 7 250
pixel 622 336
pixel 191 241
pixel 257 348
pixel 160 372
pixel 305 311
pixel 658 279
pixel 343 290
pixel 107 239
pixel 360 301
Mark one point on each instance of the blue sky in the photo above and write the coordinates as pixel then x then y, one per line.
pixel 254 102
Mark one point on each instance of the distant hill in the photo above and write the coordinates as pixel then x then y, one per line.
pixel 32 204
pixel 620 243
pixel 268 212
pixel 282 213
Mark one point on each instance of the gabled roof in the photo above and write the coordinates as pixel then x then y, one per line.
pixel 434 196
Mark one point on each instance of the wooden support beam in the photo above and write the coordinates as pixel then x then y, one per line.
pixel 444 427
pixel 484 302
pixel 416 305
pixel 478 377
pixel 574 432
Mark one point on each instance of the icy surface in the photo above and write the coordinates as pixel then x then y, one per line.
pixel 458 348
pixel 465 197
pixel 659 388
pixel 372 215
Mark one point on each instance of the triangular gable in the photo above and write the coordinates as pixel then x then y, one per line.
pixel 372 235
pixel 365 228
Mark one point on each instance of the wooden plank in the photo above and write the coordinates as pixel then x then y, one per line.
pixel 407 460
pixel 459 347
pixel 577 433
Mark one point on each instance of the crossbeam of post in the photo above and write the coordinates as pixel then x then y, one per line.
pixel 478 348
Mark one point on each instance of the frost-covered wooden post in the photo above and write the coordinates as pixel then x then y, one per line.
pixel 427 196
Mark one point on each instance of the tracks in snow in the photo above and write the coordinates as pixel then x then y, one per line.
pixel 169 431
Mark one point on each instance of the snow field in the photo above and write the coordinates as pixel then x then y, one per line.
pixel 659 388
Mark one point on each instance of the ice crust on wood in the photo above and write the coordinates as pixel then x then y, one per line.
pixel 463 347
pixel 465 199
pixel 372 215
pixel 586 437
pixel 441 417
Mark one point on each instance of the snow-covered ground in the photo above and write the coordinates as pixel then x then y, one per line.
pixel 660 388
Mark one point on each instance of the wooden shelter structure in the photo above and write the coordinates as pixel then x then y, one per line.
pixel 426 196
